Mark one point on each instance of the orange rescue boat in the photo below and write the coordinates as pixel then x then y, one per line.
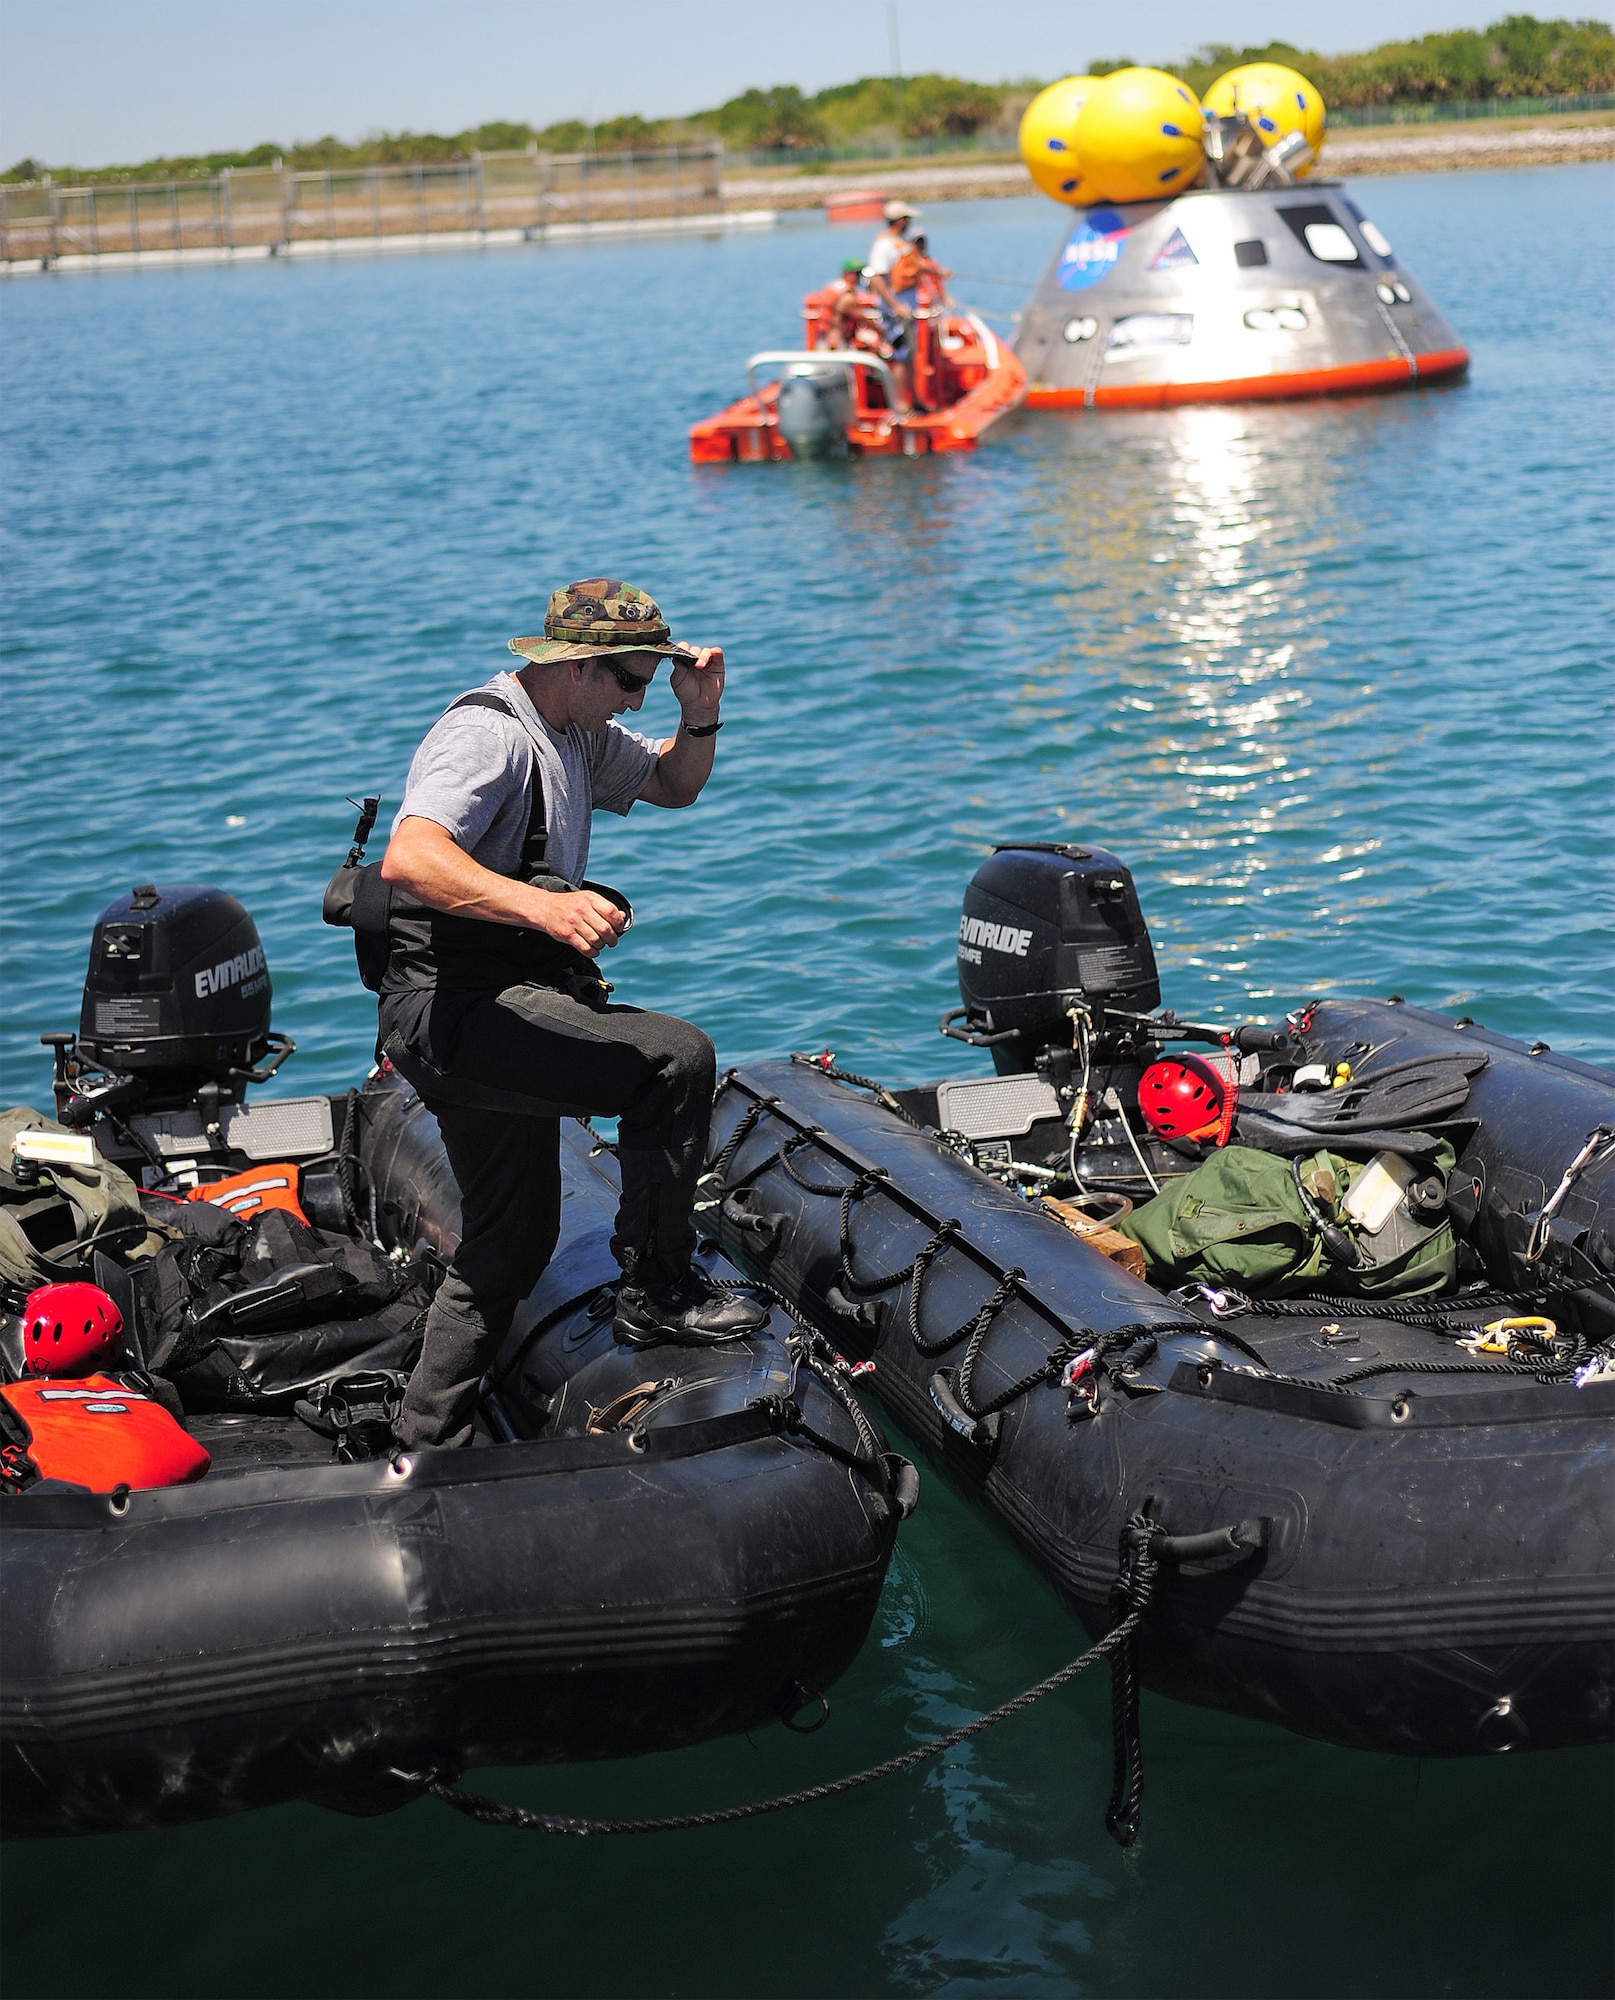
pixel 819 401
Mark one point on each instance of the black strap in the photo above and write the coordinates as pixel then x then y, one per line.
pixel 536 838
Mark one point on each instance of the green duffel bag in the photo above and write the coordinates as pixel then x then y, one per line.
pixel 1240 1220
pixel 51 1228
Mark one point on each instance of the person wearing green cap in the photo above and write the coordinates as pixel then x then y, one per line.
pixel 493 1000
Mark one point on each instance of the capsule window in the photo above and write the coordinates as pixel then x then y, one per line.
pixel 1249 254
pixel 1318 229
pixel 1277 319
pixel 1142 331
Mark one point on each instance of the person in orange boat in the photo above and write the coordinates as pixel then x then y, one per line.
pixel 851 311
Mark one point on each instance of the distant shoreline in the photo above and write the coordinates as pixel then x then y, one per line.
pixel 1396 149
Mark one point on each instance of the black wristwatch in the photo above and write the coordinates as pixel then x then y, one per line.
pixel 699 729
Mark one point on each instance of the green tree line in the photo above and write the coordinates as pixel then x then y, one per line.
pixel 1516 57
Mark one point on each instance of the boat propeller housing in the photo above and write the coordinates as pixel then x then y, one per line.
pixel 1047 927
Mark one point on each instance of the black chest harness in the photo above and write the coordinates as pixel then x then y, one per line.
pixel 402 945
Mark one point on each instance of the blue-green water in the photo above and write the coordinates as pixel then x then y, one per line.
pixel 1333 678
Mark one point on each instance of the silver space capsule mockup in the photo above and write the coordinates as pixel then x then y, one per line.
pixel 1228 294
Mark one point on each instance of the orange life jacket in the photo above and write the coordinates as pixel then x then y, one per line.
pixel 908 270
pixel 97 1434
pixel 271 1186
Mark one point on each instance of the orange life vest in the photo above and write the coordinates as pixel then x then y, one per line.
pixel 97 1434
pixel 270 1186
pixel 908 270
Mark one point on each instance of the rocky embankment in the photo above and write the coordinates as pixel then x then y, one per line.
pixel 1408 150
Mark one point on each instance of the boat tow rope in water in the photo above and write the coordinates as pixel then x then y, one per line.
pixel 1144 1547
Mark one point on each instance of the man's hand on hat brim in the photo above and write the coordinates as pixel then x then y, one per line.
pixel 697 682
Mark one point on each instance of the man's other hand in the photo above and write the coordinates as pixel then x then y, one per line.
pixel 587 922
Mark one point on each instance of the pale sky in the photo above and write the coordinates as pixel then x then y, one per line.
pixel 101 81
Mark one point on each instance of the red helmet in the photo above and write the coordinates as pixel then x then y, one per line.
pixel 1182 1098
pixel 69 1329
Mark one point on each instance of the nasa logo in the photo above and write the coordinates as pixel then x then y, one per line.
pixel 1092 249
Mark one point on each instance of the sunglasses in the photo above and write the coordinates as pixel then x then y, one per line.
pixel 629 683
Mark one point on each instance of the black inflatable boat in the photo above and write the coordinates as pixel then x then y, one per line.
pixel 1407 1517
pixel 643 1548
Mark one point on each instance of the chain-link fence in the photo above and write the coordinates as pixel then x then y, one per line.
pixel 268 206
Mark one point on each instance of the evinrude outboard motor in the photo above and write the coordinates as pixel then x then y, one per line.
pixel 814 410
pixel 176 1004
pixel 1047 927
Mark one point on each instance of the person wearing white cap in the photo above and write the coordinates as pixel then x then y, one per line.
pixel 896 314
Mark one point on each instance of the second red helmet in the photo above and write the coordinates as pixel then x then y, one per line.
pixel 1182 1098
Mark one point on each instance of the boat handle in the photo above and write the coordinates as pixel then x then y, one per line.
pixel 1242 1539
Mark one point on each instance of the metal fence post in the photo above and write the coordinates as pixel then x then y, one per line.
pixel 678 200
pixel 330 209
pixel 55 220
pixel 173 214
pixel 287 198
pixel 628 180
pixel 482 213
pixel 228 204
pixel 95 224
pixel 375 201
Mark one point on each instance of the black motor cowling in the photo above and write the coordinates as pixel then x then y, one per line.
pixel 1045 927
pixel 177 992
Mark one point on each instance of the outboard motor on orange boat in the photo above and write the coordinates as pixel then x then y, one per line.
pixel 814 410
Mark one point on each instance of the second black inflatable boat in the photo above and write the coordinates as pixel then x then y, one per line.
pixel 1407 1520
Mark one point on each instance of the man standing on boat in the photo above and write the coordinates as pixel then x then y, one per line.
pixel 896 308
pixel 493 1001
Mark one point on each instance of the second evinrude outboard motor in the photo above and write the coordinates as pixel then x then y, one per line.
pixel 814 410
pixel 1047 927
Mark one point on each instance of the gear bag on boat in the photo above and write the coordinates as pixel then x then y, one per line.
pixel 1270 1225
pixel 53 1222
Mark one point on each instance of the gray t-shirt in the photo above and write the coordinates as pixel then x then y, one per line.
pixel 473 775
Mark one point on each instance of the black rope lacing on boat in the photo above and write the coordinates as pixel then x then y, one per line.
pixel 745 1126
pixel 1405 1312
pixel 1106 1348
pixel 826 1067
pixel 1130 1600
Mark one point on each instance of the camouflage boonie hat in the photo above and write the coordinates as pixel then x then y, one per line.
pixel 598 616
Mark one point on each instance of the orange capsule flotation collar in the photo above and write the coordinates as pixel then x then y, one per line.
pixel 93 1432
pixel 273 1185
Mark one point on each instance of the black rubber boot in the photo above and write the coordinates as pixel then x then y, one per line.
pixel 683 1310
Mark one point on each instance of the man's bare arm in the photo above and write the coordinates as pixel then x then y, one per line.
pixel 425 859
pixel 685 764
